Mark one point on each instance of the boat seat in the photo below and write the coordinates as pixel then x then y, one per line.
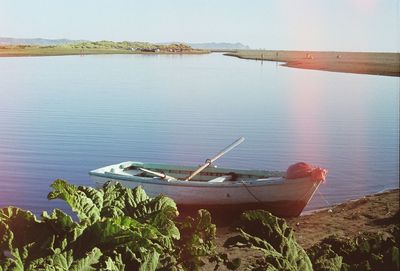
pixel 220 179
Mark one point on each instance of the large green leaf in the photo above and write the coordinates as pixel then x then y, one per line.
pixel 15 220
pixel 65 261
pixel 149 260
pixel 197 239
pixel 114 200
pixel 105 235
pixel 6 237
pixel 261 230
pixel 87 262
pixel 60 261
pixel 86 203
pixel 62 226
pixel 24 232
pixel 159 211
pixel 115 264
pixel 14 262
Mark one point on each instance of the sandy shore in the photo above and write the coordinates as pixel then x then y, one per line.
pixel 13 51
pixel 374 213
pixel 350 62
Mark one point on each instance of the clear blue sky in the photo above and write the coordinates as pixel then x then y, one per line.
pixel 353 25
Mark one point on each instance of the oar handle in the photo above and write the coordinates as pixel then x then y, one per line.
pixel 230 147
pixel 158 174
pixel 197 171
pixel 210 161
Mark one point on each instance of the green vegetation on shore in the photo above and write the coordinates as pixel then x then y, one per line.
pixel 387 64
pixel 118 229
pixel 368 251
pixel 123 229
pixel 128 45
pixel 97 47
pixel 259 230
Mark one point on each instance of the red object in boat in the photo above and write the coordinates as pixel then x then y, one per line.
pixel 301 170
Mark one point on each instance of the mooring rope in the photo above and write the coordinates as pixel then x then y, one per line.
pixel 323 198
pixel 251 193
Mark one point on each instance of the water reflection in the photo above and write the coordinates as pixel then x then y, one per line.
pixel 63 116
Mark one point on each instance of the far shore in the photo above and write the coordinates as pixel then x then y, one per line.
pixel 14 51
pixel 387 64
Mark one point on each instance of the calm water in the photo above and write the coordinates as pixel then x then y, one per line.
pixel 63 116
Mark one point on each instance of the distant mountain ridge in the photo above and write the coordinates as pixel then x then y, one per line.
pixel 219 46
pixel 48 42
pixel 37 41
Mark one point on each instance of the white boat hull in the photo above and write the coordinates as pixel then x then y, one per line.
pixel 281 196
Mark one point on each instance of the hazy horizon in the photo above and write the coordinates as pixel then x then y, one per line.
pixel 344 25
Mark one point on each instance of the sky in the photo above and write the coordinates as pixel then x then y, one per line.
pixel 339 25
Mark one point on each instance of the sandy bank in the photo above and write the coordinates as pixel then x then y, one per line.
pixel 350 62
pixel 370 213
pixel 374 213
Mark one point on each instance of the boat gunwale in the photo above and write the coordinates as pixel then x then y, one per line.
pixel 168 168
pixel 229 184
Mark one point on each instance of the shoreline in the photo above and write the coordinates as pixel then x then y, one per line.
pixel 372 213
pixel 325 208
pixel 57 51
pixel 373 63
pixel 351 217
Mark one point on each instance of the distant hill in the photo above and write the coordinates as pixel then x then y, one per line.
pixel 38 41
pixel 48 42
pixel 219 46
pixel 214 45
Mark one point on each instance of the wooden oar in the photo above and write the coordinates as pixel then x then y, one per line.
pixel 210 161
pixel 157 174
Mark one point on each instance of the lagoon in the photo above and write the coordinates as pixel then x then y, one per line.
pixel 62 116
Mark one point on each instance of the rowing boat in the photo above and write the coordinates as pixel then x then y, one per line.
pixel 282 193
pixel 216 188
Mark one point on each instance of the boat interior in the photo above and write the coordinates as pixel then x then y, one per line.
pixel 209 174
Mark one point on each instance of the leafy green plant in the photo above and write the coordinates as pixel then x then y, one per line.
pixel 118 229
pixel 261 230
pixel 123 229
pixel 368 251
pixel 223 258
pixel 198 235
